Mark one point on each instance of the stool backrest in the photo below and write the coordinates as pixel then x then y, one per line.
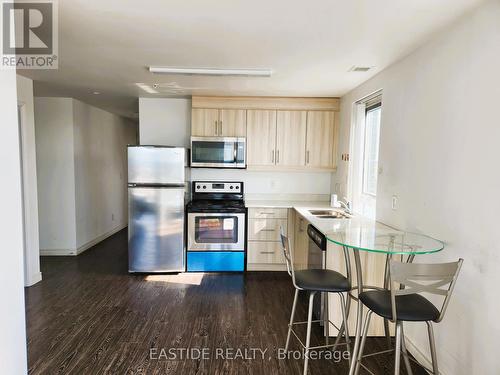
pixel 288 254
pixel 415 278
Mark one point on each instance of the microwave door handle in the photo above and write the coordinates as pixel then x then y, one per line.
pixel 235 153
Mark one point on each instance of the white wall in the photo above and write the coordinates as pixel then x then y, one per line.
pixel 13 358
pixel 270 183
pixel 100 140
pixel 32 272
pixel 55 173
pixel 82 174
pixel 164 121
pixel 167 121
pixel 439 153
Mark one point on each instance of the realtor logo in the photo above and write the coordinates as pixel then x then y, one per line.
pixel 29 34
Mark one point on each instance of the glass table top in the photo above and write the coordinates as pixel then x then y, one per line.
pixel 380 238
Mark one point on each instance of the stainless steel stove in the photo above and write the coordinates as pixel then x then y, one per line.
pixel 216 227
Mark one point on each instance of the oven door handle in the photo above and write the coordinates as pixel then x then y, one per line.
pixel 235 153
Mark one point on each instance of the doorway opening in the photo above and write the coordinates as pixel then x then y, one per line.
pixel 364 148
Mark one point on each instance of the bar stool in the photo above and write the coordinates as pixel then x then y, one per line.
pixel 400 304
pixel 315 281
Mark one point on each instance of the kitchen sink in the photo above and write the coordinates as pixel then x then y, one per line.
pixel 329 214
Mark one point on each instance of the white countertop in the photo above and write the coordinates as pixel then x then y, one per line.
pixel 329 226
pixel 326 226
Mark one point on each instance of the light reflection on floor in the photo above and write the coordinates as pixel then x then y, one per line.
pixel 189 278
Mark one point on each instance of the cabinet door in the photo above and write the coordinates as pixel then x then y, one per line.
pixel 265 252
pixel 301 244
pixel 321 143
pixel 266 229
pixel 233 122
pixel 291 138
pixel 204 122
pixel 261 137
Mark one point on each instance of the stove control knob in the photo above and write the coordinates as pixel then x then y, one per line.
pixel 204 186
pixel 237 187
pixel 197 187
pixel 232 187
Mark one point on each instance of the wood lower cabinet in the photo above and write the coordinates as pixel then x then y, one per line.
pixel 264 251
pixel 261 138
pixel 373 265
pixel 207 122
pixel 321 146
pixel 300 246
pixel 291 138
pixel 265 229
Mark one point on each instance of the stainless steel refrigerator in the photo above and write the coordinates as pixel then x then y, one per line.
pixel 156 197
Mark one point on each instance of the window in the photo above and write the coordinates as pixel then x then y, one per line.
pixel 371 147
pixel 364 148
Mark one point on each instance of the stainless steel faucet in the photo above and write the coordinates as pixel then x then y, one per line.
pixel 346 205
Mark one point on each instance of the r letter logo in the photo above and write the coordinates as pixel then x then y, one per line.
pixel 29 34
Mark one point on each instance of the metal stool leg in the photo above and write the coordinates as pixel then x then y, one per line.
pixel 432 343
pixel 364 334
pixel 397 360
pixel 308 336
pixel 325 318
pixel 292 315
pixel 344 322
pixel 405 352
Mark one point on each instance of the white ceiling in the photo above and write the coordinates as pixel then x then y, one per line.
pixel 106 46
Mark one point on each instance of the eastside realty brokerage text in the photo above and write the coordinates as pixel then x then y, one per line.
pixel 179 354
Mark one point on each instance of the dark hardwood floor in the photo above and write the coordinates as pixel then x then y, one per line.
pixel 89 316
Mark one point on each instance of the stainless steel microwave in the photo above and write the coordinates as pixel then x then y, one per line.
pixel 218 152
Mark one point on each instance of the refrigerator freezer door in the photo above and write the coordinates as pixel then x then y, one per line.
pixel 156 165
pixel 156 229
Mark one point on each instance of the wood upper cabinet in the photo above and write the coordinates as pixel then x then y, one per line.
pixel 321 148
pixel 261 137
pixel 233 122
pixel 291 138
pixel 281 133
pixel 204 122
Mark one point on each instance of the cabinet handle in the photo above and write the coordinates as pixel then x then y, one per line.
pixel 215 127
pixel 307 157
pixel 220 127
pixel 268 230
pixel 266 213
pixel 272 156
pixel 278 157
pixel 267 252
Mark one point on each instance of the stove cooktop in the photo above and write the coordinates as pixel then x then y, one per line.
pixel 216 206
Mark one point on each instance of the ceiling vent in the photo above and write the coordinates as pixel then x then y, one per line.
pixel 361 69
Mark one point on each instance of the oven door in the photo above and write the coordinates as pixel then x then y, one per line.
pixel 216 231
pixel 218 152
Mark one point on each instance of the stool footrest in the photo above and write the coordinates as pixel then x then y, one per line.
pixel 316 347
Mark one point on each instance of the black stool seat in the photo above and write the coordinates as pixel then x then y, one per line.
pixel 322 281
pixel 409 307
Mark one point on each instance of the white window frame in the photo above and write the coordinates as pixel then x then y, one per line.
pixel 362 203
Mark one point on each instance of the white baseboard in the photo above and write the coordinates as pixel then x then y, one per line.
pixel 419 355
pixel 57 252
pixel 32 279
pixel 81 249
pixel 102 237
